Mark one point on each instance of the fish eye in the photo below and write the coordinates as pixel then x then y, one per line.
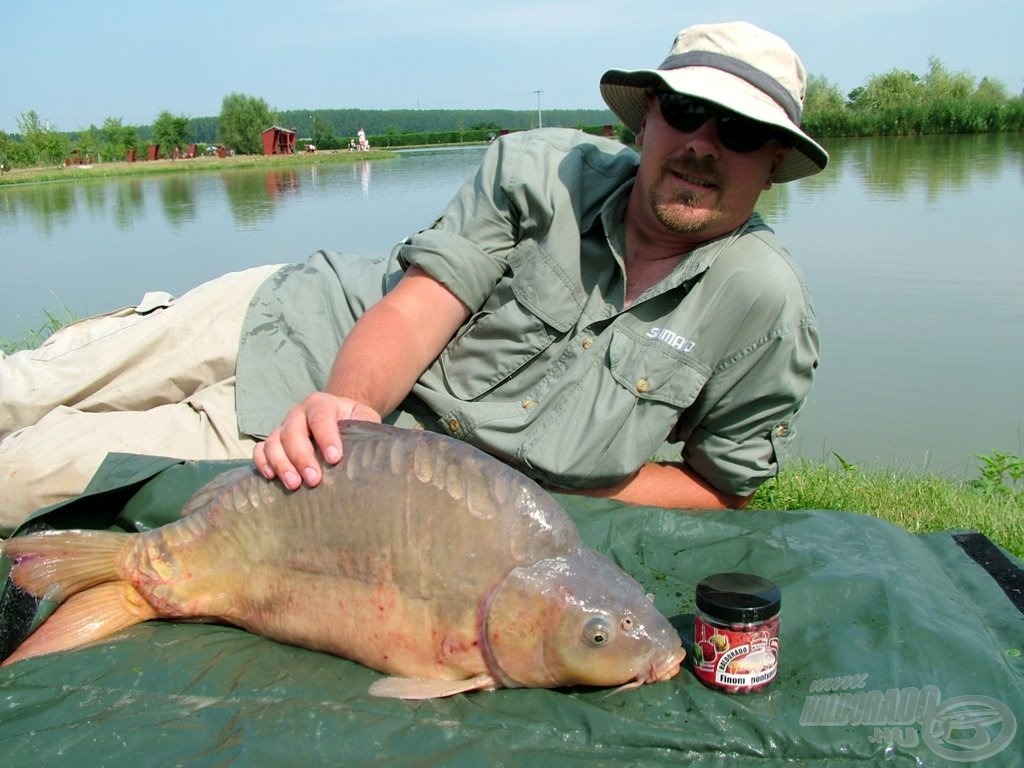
pixel 597 632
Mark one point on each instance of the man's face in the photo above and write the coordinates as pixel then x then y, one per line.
pixel 692 183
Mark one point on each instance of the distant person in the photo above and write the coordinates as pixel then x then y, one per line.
pixel 364 145
pixel 574 307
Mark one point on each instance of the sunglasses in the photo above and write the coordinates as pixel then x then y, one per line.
pixel 739 134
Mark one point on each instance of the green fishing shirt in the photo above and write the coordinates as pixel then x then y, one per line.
pixel 551 372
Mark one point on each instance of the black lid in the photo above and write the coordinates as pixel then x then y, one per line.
pixel 738 597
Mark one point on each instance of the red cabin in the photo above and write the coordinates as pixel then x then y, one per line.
pixel 279 141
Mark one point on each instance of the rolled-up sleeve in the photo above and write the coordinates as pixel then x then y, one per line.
pixel 468 246
pixel 742 439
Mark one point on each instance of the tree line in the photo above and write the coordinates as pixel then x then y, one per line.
pixel 897 102
pixel 902 103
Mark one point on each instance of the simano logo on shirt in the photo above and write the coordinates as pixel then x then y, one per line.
pixel 672 338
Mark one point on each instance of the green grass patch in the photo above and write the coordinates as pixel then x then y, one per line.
pixel 33 337
pixel 993 504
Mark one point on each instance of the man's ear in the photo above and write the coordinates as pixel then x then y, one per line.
pixel 640 132
pixel 777 158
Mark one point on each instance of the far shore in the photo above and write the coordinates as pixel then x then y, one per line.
pixel 108 170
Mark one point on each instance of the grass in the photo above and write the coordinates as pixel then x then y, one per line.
pixel 35 336
pixel 993 504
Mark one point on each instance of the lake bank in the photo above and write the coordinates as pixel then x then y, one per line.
pixel 103 171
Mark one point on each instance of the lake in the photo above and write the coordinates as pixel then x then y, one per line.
pixel 909 246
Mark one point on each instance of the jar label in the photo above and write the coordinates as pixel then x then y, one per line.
pixel 740 659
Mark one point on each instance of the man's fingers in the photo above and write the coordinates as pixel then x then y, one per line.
pixel 298 456
pixel 290 452
pixel 323 418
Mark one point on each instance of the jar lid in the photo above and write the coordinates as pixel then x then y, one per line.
pixel 738 597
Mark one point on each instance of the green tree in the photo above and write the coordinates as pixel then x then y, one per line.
pixel 897 88
pixel 941 84
pixel 90 141
pixel 822 95
pixel 242 120
pixel 991 90
pixel 8 150
pixel 117 139
pixel 170 131
pixel 323 135
pixel 44 143
pixel 824 108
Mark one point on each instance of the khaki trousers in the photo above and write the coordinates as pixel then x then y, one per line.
pixel 156 379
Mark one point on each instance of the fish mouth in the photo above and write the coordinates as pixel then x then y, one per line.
pixel 665 668
pixel 659 670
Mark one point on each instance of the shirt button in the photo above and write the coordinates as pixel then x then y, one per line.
pixel 587 343
pixel 454 425
pixel 528 405
pixel 642 386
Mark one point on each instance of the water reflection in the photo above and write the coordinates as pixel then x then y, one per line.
pixel 935 164
pixel 128 203
pixel 94 196
pixel 364 176
pixel 177 199
pixel 894 167
pixel 45 205
pixel 252 195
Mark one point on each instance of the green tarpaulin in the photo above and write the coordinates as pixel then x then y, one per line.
pixel 895 648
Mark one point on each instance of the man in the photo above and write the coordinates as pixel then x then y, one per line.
pixel 572 309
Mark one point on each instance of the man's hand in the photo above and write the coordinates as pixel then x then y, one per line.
pixel 290 451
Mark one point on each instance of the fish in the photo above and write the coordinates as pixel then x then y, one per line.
pixel 418 556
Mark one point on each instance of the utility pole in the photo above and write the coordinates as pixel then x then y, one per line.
pixel 540 121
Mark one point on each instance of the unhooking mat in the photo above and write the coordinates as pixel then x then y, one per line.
pixel 895 648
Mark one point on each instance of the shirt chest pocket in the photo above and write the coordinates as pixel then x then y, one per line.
pixel 533 305
pixel 654 371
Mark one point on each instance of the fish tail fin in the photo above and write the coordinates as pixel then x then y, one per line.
pixel 87 616
pixel 57 564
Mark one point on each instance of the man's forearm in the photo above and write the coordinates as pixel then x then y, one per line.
pixel 669 485
pixel 395 341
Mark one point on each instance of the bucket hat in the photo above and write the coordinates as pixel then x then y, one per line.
pixel 737 66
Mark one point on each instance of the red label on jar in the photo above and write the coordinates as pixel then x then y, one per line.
pixel 738 659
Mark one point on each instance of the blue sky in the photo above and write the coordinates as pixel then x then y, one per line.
pixel 77 63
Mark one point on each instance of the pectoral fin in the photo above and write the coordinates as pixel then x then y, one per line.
pixel 410 688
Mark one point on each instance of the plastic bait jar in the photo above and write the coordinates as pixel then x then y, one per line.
pixel 736 632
